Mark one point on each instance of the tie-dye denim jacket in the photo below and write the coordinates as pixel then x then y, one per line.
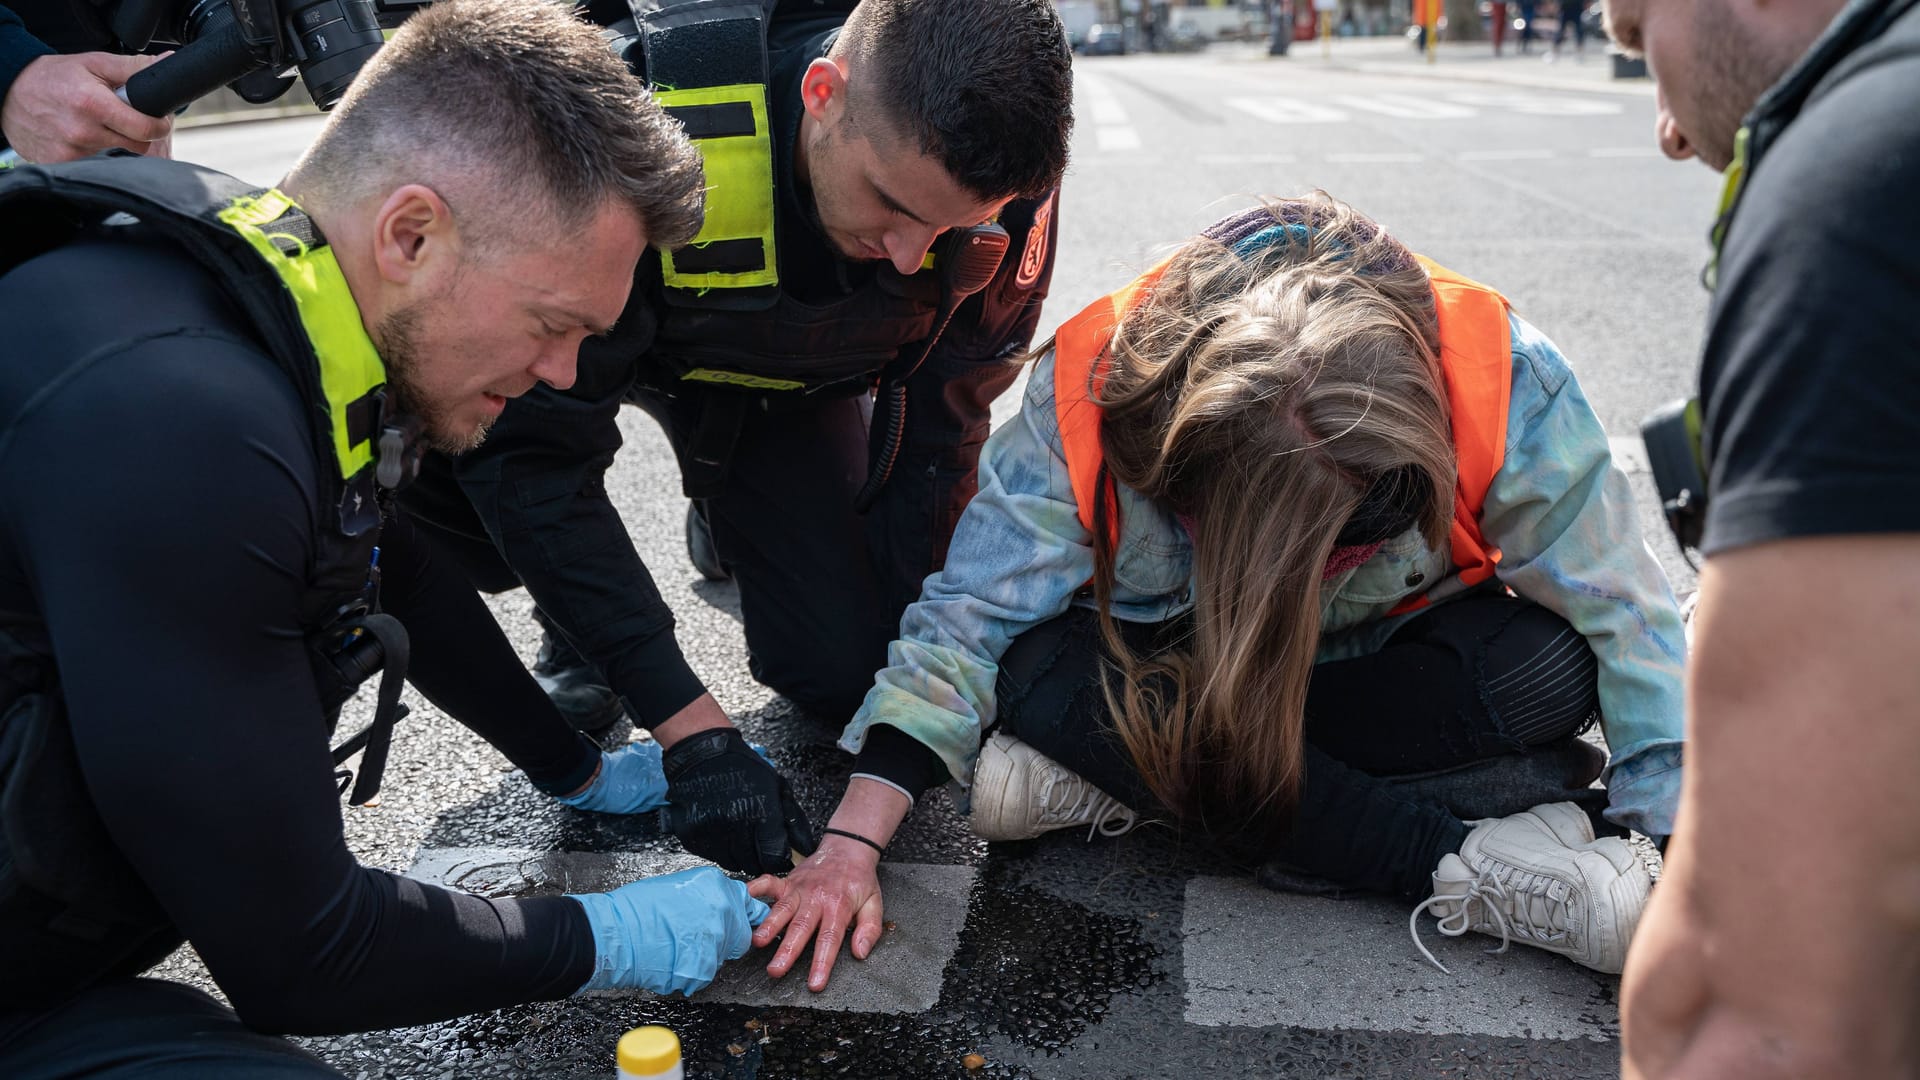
pixel 1562 516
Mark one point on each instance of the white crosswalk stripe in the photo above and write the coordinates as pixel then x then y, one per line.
pixel 1255 958
pixel 1530 104
pixel 1519 154
pixel 1404 106
pixel 1280 110
pixel 1112 129
pixel 1377 158
pixel 1340 108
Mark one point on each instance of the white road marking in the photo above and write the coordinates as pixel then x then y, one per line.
pixel 1405 106
pixel 1505 155
pixel 1461 106
pixel 1247 159
pixel 1112 129
pixel 1624 152
pixel 1537 104
pixel 1389 158
pixel 1256 958
pixel 1280 110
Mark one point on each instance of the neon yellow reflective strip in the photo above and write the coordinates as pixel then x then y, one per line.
pixel 1691 414
pixel 740 378
pixel 1729 194
pixel 739 186
pixel 350 368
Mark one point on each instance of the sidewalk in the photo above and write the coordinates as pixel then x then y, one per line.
pixel 1469 61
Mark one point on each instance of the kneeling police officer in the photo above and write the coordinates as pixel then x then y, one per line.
pixel 878 242
pixel 209 391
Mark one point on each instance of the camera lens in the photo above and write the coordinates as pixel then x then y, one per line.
pixel 332 39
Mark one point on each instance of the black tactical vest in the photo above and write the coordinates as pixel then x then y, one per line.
pixel 726 322
pixel 72 911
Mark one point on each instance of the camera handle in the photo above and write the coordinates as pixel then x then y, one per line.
pixel 218 56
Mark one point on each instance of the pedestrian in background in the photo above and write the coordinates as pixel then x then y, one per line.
pixel 1784 940
pixel 1499 24
pixel 1293 518
pixel 1529 9
pixel 1570 19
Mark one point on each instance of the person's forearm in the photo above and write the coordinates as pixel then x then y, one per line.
pixel 1798 811
pixel 538 487
pixel 870 809
pixel 701 714
pixel 463 663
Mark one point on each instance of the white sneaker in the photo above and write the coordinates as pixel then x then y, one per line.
pixel 1018 794
pixel 1540 878
pixel 1564 819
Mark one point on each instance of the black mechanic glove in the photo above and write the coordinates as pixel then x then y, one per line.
pixel 727 803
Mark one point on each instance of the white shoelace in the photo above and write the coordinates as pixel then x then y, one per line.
pixel 1496 898
pixel 1069 800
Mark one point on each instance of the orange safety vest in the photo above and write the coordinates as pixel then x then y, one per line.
pixel 1476 360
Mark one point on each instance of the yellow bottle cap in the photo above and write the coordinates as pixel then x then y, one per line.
pixel 648 1050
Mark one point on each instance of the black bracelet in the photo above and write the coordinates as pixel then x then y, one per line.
pixel 854 836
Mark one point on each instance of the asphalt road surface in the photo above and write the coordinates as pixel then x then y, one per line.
pixel 1135 957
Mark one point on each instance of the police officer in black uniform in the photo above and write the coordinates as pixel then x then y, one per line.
pixel 879 240
pixel 209 393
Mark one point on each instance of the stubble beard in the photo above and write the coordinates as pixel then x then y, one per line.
pixel 398 340
pixel 1736 68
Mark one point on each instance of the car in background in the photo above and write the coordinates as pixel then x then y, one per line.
pixel 1185 37
pixel 1105 39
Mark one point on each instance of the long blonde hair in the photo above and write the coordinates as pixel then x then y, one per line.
pixel 1281 375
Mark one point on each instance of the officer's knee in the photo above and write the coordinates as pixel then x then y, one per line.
pixel 826 682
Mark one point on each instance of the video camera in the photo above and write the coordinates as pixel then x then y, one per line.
pixel 253 45
pixel 1672 435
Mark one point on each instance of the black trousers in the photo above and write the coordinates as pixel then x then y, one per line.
pixel 146 1028
pixel 814 598
pixel 1481 677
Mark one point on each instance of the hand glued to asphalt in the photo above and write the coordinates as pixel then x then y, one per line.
pixel 728 804
pixel 838 885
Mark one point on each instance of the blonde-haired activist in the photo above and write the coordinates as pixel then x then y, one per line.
pixel 1313 548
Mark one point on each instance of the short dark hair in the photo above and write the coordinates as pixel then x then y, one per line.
pixel 984 86
pixel 510 108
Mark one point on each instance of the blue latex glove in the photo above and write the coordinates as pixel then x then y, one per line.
pixel 670 932
pixel 630 781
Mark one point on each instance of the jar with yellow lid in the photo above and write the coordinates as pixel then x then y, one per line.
pixel 649 1053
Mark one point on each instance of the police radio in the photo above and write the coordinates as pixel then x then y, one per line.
pixel 1672 436
pixel 252 45
pixel 966 261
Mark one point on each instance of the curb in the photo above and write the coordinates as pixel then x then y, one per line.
pixel 278 112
